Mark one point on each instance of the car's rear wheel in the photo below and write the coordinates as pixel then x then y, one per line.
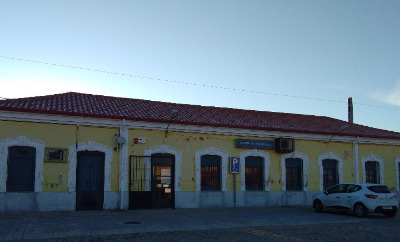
pixel 390 214
pixel 318 206
pixel 360 210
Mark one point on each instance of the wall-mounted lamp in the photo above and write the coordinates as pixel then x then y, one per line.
pixel 343 128
pixel 174 115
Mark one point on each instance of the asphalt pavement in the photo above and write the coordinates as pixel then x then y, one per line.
pixel 145 224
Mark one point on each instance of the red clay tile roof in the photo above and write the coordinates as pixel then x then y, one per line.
pixel 79 104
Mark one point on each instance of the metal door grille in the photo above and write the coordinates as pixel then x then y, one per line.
pixel 139 192
pixel 151 181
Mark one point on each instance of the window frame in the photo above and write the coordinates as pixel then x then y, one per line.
pixel 22 141
pixel 329 167
pixel 372 170
pixel 338 188
pixel 301 156
pixel 377 159
pixel 224 166
pixel 254 164
pixel 21 169
pixel 210 172
pixel 267 161
pixel 330 156
pixel 295 168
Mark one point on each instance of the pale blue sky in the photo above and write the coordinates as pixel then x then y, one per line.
pixel 285 56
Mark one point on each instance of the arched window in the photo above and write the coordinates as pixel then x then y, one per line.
pixel 372 167
pixel 210 173
pixel 330 173
pixel 21 147
pixel 21 169
pixel 330 170
pixel 211 169
pixel 254 173
pixel 254 170
pixel 294 171
pixel 294 174
pixel 372 172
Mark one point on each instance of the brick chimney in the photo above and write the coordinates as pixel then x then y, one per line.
pixel 350 110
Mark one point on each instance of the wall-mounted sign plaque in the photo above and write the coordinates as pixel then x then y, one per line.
pixel 255 144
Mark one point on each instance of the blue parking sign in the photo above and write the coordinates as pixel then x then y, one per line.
pixel 234 165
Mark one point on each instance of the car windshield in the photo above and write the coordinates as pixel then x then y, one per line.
pixel 379 189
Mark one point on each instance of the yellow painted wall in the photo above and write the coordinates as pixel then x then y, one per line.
pixel 188 143
pixel 104 136
pixel 389 154
pixel 62 136
pixel 316 148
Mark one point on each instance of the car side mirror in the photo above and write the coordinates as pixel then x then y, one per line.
pixel 326 192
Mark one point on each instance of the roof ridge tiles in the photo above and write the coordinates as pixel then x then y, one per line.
pixel 191 105
pixel 102 106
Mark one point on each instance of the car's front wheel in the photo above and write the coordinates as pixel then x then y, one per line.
pixel 318 206
pixel 360 210
pixel 390 214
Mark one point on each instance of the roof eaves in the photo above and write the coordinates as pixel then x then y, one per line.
pixel 193 109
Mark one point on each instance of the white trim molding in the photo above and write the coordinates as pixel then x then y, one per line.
pixel 107 122
pixel 397 162
pixel 224 165
pixel 381 167
pixel 301 156
pixel 22 141
pixel 164 149
pixel 89 146
pixel 329 156
pixel 124 168
pixel 267 161
pixel 356 168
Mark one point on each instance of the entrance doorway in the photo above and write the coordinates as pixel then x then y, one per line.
pixel 162 181
pixel 90 180
pixel 151 181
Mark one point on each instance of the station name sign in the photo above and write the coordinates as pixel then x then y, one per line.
pixel 255 144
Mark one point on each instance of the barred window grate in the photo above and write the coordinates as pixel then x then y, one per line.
pixel 254 173
pixel 210 173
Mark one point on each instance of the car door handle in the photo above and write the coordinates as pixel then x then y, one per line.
pixel 337 197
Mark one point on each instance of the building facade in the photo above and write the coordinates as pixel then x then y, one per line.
pixel 77 151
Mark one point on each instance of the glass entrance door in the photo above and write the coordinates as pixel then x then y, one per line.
pixel 162 181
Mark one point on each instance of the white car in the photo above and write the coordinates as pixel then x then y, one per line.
pixel 360 198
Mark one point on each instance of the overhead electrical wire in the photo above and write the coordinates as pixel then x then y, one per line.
pixel 187 83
